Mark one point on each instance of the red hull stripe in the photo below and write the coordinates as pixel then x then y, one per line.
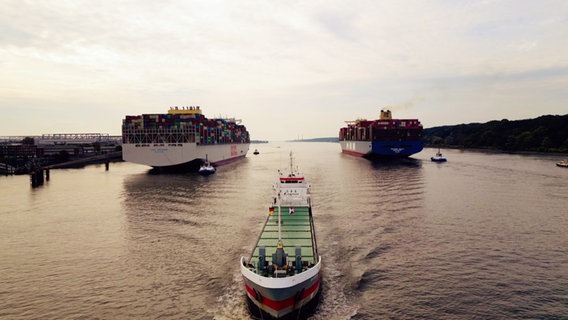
pixel 353 153
pixel 286 303
pixel 291 179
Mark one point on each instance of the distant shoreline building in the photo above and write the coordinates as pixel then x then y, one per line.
pixel 20 151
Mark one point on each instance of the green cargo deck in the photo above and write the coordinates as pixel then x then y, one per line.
pixel 297 230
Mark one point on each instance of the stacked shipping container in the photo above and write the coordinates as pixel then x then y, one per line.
pixel 181 128
pixel 382 130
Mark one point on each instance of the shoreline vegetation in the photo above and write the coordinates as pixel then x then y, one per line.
pixel 545 134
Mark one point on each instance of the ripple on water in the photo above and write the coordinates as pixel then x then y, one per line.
pixel 480 237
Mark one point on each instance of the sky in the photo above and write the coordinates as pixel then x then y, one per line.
pixel 287 69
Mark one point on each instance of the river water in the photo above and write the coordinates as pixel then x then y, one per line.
pixel 483 236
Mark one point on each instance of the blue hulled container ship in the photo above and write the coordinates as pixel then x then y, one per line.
pixel 384 137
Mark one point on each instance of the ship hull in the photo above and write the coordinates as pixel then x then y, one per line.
pixel 183 154
pixel 283 298
pixel 303 313
pixel 377 149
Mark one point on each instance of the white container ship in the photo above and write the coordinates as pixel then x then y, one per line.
pixel 182 138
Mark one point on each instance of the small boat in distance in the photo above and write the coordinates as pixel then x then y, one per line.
pixel 206 168
pixel 283 274
pixel 438 157
pixel 563 163
pixel 256 151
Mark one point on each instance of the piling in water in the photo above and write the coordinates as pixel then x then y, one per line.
pixel 36 177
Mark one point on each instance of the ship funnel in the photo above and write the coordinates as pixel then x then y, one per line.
pixel 386 115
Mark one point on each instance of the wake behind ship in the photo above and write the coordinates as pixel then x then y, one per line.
pixel 182 139
pixel 384 137
pixel 282 276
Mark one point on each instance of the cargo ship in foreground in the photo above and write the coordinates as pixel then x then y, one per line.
pixel 183 138
pixel 283 274
pixel 384 137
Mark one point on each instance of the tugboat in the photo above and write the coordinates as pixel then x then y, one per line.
pixel 283 274
pixel 563 163
pixel 206 168
pixel 256 151
pixel 438 157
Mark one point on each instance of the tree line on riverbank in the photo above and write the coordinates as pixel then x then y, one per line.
pixel 547 133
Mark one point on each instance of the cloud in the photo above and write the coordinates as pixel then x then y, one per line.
pixel 322 62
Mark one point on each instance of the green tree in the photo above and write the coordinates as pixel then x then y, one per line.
pixel 449 141
pixel 437 140
pixel 565 144
pixel 527 140
pixel 545 144
pixel 28 141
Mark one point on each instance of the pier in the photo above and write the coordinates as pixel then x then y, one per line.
pixel 103 158
pixel 39 175
pixel 22 155
pixel 7 169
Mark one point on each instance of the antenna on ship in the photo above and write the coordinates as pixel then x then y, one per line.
pixel 279 225
pixel 291 164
